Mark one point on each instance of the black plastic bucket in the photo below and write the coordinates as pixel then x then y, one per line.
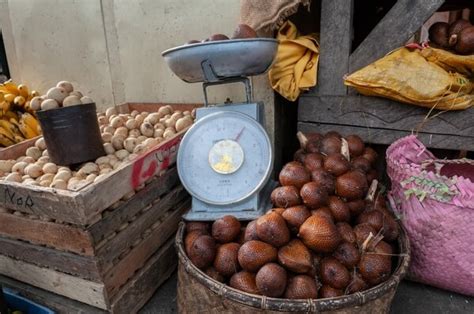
pixel 72 134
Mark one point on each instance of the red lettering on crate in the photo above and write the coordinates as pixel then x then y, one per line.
pixel 154 161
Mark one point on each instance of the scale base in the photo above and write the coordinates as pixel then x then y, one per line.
pixel 250 209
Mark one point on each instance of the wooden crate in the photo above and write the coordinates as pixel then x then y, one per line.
pixel 331 106
pixel 83 207
pixel 93 264
pixel 130 299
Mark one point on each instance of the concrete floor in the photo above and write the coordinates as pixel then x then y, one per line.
pixel 411 298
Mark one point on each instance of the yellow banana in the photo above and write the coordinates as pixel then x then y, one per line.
pixel 11 128
pixel 10 97
pixel 27 131
pixel 5 141
pixel 11 87
pixel 2 97
pixel 6 134
pixel 30 120
pixel 23 90
pixel 10 115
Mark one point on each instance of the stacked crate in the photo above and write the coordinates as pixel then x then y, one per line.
pixel 109 244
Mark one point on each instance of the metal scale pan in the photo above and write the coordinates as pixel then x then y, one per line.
pixel 225 159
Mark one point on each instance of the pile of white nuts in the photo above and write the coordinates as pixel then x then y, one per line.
pixel 125 136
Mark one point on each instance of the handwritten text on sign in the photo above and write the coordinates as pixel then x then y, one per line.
pixel 11 198
pixel 155 161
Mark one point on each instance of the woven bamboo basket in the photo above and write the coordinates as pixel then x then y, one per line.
pixel 198 293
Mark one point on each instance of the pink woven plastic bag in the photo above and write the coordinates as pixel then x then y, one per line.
pixel 435 202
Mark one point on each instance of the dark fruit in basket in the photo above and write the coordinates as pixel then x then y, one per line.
pixel 439 34
pixel 374 268
pixel 361 163
pixel 244 31
pixel 314 272
pixel 300 155
pixel 465 42
pixel 370 154
pixel 327 291
pixel 356 145
pixel 382 248
pixel 218 37
pixel 454 29
pixel 313 161
pixel 324 179
pixel 357 283
pixel 339 209
pixel 313 147
pixel 362 232
pixel 330 145
pixel 226 262
pixel 313 195
pixel 356 207
pixel 372 217
pixel 347 254
pixel 251 231
pixel 296 257
pixel 313 137
pixel 294 174
pixel 272 229
pixel 285 196
pixel 301 287
pixel 214 274
pixel 320 234
pixel 202 251
pixel 333 273
pixel 244 281
pixel 351 185
pixel 372 175
pixel 336 164
pixel 226 229
pixel 390 228
pixel 271 280
pixel 197 225
pixel 324 212
pixel 190 237
pixel 278 210
pixel 346 232
pixel 296 215
pixel 333 134
pixel 254 254
pixel 192 41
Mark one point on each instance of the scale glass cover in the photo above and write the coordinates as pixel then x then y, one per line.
pixel 225 159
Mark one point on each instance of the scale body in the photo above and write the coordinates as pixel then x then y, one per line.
pixel 225 159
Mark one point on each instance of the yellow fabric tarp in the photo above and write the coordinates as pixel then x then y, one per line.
pixel 429 77
pixel 296 64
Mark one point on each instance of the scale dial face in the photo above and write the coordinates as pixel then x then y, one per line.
pixel 225 158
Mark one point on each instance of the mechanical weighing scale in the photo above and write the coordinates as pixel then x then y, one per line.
pixel 225 159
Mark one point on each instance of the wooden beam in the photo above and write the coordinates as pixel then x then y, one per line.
pixel 73 264
pixel 136 292
pixel 58 236
pixel 375 112
pixel 124 240
pixel 72 287
pixel 335 46
pixel 133 206
pixel 397 26
pixel 139 255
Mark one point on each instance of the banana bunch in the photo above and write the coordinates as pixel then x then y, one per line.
pixel 17 120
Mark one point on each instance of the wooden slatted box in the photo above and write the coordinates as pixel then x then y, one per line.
pixel 104 260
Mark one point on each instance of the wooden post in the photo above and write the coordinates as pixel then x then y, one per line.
pixel 335 46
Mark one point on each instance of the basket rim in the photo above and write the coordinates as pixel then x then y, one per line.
pixel 307 305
